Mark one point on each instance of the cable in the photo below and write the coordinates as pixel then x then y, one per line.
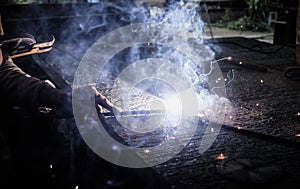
pixel 292 73
pixel 252 49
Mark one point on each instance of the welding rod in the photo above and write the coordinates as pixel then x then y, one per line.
pixel 133 113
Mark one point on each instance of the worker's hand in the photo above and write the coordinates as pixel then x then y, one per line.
pixel 16 44
pixel 103 102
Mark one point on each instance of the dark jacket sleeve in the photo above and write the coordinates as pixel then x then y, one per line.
pixel 18 88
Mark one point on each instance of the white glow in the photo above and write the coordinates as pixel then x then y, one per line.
pixel 173 105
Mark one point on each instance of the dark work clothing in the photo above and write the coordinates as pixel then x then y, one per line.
pixel 19 89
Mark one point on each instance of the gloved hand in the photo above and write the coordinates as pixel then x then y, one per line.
pixel 61 102
pixel 103 102
pixel 16 44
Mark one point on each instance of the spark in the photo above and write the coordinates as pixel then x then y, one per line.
pixel 76 187
pixel 147 151
pixel 52 174
pixel 216 61
pixel 230 75
pixel 221 59
pixel 297 135
pixel 298 114
pixel 221 157
pixel 239 127
pixel 261 81
pixel 240 63
pixel 257 104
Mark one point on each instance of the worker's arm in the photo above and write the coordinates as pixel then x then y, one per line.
pixel 19 89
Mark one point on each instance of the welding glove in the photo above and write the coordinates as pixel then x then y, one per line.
pixel 102 102
pixel 15 44
pixel 59 102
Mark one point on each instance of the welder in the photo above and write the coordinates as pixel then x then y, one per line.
pixel 32 94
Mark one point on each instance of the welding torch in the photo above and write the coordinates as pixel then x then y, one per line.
pixel 133 113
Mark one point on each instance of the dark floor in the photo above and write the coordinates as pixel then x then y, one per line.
pixel 39 152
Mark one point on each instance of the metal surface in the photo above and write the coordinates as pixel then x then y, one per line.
pixel 249 170
pixel 263 123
